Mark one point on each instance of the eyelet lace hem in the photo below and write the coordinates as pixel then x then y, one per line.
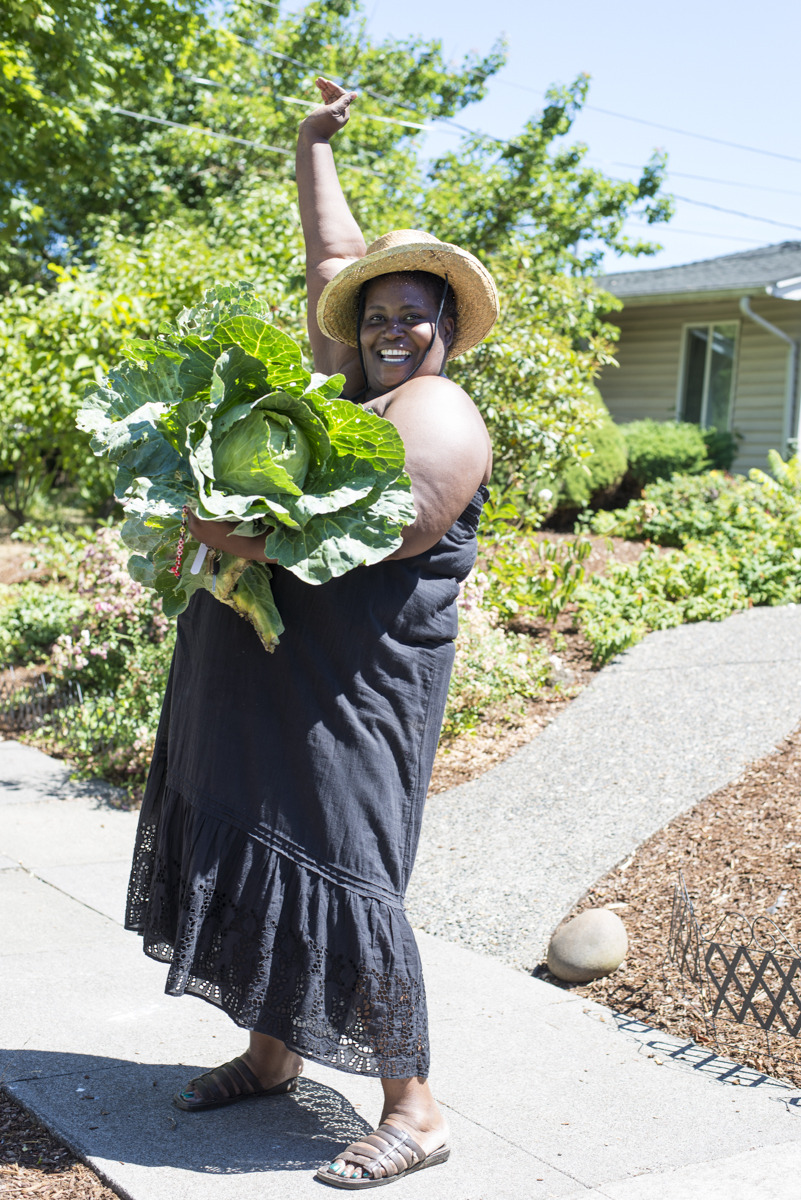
pixel 334 975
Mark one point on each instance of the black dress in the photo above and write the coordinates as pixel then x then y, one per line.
pixel 283 807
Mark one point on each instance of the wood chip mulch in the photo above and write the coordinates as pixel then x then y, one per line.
pixel 739 851
pixel 34 1164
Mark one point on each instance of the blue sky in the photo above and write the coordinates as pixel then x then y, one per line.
pixel 726 71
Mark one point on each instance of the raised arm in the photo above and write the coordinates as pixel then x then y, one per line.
pixel 332 237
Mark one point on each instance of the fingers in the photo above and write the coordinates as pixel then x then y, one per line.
pixel 331 92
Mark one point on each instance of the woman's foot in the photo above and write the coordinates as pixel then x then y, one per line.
pixel 270 1061
pixel 266 1068
pixel 409 1109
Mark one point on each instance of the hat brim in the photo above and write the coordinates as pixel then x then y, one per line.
pixel 477 304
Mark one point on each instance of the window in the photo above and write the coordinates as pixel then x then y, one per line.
pixel 708 384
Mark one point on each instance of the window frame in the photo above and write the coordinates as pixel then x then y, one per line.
pixel 683 366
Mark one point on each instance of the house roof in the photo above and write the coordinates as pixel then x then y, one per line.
pixel 748 271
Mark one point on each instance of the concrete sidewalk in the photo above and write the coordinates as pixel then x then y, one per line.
pixel 548 1095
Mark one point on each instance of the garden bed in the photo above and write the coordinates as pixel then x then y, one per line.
pixel 739 851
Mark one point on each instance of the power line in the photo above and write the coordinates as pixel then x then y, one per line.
pixel 365 116
pixel 721 237
pixel 225 137
pixel 757 187
pixel 734 213
pixel 537 92
pixel 228 137
pixel 704 137
pixel 368 91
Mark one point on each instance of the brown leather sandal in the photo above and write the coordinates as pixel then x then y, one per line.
pixel 388 1149
pixel 228 1084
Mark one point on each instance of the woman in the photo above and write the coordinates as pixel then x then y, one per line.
pixel 284 803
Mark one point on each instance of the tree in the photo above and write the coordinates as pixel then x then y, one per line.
pixel 139 229
pixel 537 195
pixel 72 73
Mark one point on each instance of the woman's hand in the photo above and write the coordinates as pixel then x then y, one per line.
pixel 219 535
pixel 333 114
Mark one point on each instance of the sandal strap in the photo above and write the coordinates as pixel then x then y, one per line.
pixel 387 1147
pixel 233 1078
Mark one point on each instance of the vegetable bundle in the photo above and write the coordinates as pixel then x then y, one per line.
pixel 219 413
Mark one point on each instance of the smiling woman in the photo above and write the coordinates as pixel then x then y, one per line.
pixel 285 801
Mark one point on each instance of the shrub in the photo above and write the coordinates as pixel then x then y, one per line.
pixel 658 592
pixel 661 449
pixel 32 618
pixel 734 542
pixel 602 470
pixel 691 507
pixel 533 577
pixel 721 448
pixel 104 634
pixel 494 671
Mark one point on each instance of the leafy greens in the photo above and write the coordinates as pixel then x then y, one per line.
pixel 219 413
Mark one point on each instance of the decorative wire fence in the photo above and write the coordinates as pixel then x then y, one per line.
pixel 48 709
pixel 745 972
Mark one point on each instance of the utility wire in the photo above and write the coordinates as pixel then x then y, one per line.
pixel 704 137
pixel 225 137
pixel 721 237
pixel 364 116
pixel 757 187
pixel 734 213
pixel 368 91
pixel 499 141
pixel 538 92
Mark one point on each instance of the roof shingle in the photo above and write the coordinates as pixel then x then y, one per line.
pixel 732 272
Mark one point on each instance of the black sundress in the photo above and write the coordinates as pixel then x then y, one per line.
pixel 283 807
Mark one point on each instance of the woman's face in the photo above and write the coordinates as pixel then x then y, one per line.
pixel 399 319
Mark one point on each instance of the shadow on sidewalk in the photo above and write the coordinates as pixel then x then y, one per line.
pixel 121 1111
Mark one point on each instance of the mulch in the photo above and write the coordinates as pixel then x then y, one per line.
pixel 739 852
pixel 34 1163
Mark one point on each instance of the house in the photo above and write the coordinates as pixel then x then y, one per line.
pixel 715 342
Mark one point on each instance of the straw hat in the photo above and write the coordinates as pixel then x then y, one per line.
pixel 412 250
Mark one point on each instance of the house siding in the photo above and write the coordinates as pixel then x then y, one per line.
pixel 649 353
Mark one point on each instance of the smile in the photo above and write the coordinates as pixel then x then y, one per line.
pixel 394 355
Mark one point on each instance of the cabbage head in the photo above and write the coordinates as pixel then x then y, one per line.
pixel 246 457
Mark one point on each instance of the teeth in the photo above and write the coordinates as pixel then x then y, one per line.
pixel 397 354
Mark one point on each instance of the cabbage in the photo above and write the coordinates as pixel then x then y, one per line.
pixel 219 412
pixel 246 458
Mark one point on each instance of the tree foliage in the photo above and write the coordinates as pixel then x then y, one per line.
pixel 119 221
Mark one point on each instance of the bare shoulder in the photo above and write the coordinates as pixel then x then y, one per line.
pixel 448 454
pixel 433 414
pixel 430 391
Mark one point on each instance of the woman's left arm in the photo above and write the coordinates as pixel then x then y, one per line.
pixel 219 535
pixel 448 455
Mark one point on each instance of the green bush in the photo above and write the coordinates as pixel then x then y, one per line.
pixel 734 543
pixel 661 449
pixel 32 617
pixel 602 470
pixel 721 448
pixel 102 632
pixel 531 576
pixel 494 671
pixel 658 592
pixel 714 505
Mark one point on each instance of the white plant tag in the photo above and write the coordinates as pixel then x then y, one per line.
pixel 200 558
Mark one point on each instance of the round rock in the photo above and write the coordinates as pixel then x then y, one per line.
pixel 591 945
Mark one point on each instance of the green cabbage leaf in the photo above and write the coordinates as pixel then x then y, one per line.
pixel 218 412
